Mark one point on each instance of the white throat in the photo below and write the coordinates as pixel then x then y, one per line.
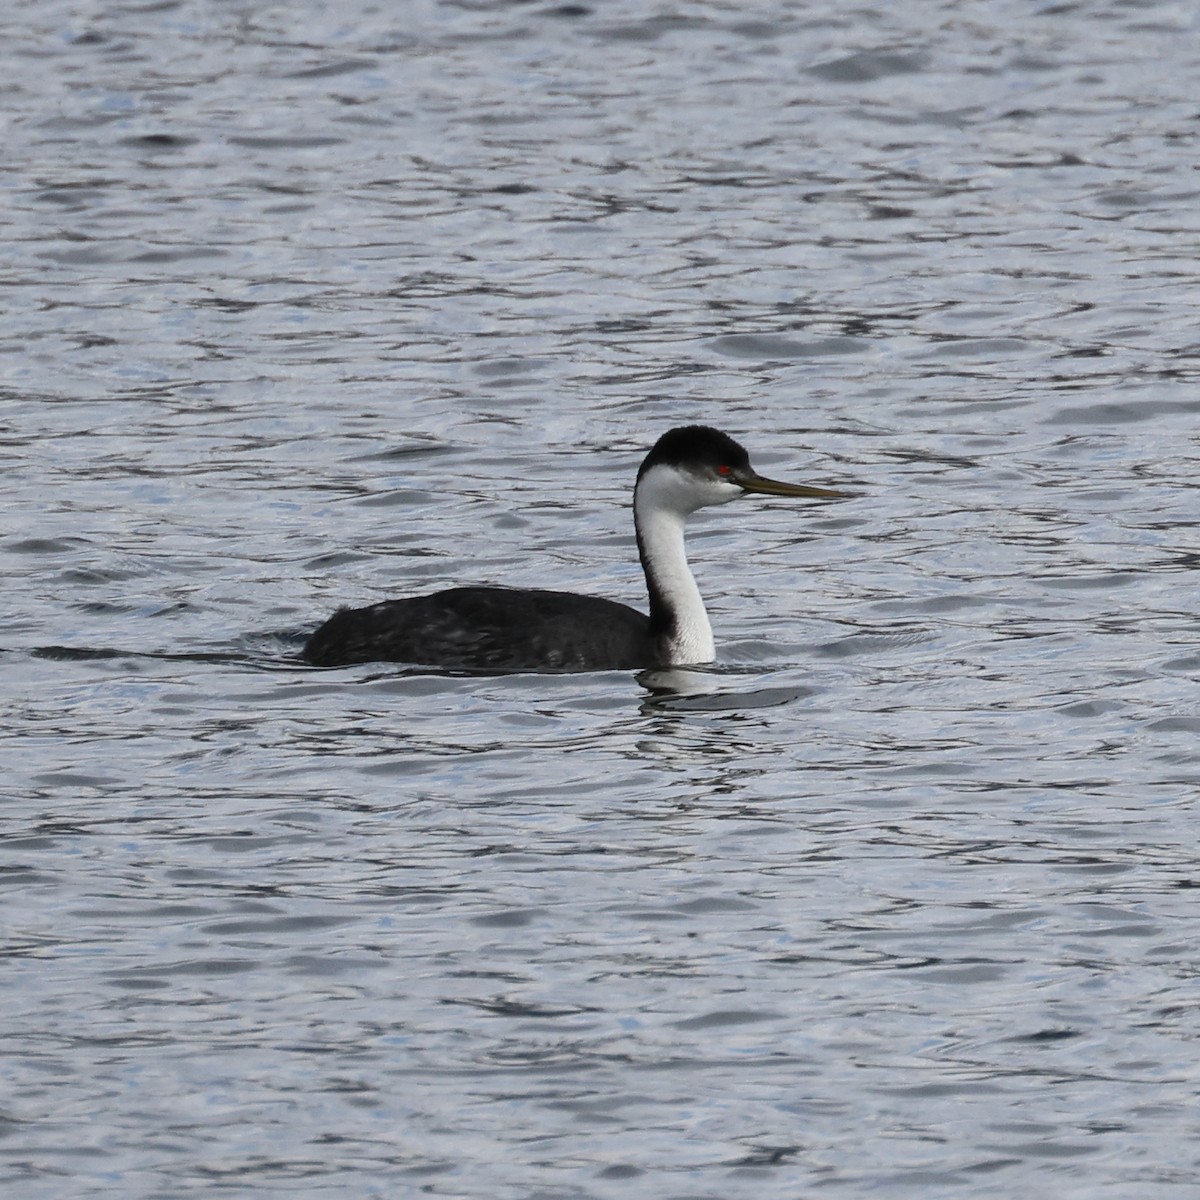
pixel 661 506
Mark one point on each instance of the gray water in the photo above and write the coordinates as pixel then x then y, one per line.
pixel 308 305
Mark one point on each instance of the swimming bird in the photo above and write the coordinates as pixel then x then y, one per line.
pixel 528 629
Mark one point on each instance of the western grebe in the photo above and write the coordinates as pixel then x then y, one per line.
pixel 518 629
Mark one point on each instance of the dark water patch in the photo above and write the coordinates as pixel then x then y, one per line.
pixel 159 143
pixel 511 919
pixel 870 644
pixel 1121 412
pixel 1179 724
pixel 279 924
pixel 227 304
pixel 651 29
pixel 1185 664
pixel 1047 1036
pixel 77 653
pixel 39 545
pixel 323 563
pixel 346 66
pixel 178 254
pixel 1101 580
pixel 867 66
pixel 770 346
pixel 262 651
pixel 1090 708
pixel 727 701
pixel 401 498
pixel 568 11
pixel 417 449
pixel 727 1018
pixel 285 142
pixel 502 1007
pixel 505 368
pixel 988 348
pixel 766 1156
pixel 74 779
pixel 102 608
pixel 514 189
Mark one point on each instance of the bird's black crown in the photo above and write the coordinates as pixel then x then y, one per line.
pixel 695 447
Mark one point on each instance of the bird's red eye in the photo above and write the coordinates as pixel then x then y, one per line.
pixel 724 470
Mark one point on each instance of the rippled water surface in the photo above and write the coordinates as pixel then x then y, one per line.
pixel 316 304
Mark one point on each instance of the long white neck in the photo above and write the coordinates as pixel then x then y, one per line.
pixel 677 613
